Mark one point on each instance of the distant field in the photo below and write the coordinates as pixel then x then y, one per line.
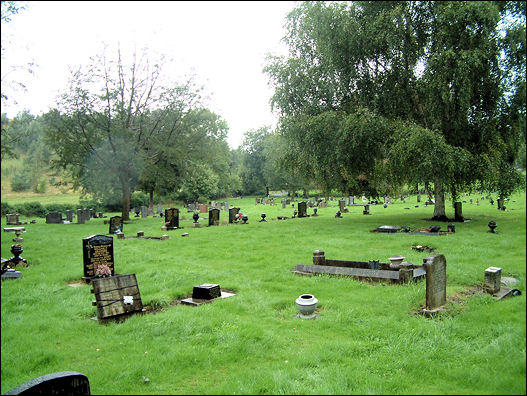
pixel 21 197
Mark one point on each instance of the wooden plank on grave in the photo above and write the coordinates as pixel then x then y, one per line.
pixel 110 292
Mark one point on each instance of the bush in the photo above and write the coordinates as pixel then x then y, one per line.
pixel 60 207
pixel 29 209
pixel 7 209
pixel 139 199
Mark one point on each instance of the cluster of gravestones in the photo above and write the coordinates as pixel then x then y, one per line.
pixel 83 215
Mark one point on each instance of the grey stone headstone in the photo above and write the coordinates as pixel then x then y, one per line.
pixel 342 205
pixel 12 219
pixel 493 279
pixel 80 217
pixel 144 211
pixel 69 216
pixel 435 281
pixel 54 218
pixel 60 383
pixel 160 209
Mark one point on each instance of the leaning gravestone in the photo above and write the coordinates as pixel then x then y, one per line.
pixel 232 214
pixel 116 223
pixel 116 296
pixel 302 209
pixel 435 282
pixel 214 217
pixel 172 218
pixel 97 250
pixel 61 383
pixel 54 218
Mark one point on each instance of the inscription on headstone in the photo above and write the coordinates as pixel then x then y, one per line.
pixel 116 223
pixel 172 218
pixel 97 250
pixel 435 281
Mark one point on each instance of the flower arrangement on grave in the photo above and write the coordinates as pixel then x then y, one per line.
pixel 103 271
pixel 238 216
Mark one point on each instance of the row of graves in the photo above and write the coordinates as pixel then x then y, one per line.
pixel 83 215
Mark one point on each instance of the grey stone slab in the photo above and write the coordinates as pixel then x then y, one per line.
pixel 435 281
pixel 347 271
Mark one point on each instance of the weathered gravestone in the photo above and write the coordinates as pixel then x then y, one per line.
pixel 54 218
pixel 214 217
pixel 97 250
pixel 69 216
pixel 492 280
pixel 435 282
pixel 12 219
pixel 80 218
pixel 232 214
pixel 342 205
pixel 302 209
pixel 60 383
pixel 284 204
pixel 116 223
pixel 116 296
pixel 160 209
pixel 203 208
pixel 144 212
pixel 172 218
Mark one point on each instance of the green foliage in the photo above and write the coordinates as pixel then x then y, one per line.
pixel 21 179
pixel 32 209
pixel 6 208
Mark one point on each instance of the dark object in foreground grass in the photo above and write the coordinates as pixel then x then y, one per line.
pixel 61 383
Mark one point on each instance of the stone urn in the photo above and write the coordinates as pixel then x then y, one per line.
pixel 396 261
pixel 263 217
pixel 492 225
pixel 306 304
pixel 244 219
pixel 195 216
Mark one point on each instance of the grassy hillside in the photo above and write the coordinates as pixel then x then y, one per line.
pixel 367 338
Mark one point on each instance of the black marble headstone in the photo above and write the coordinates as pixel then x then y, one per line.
pixel 207 291
pixel 54 218
pixel 172 218
pixel 116 222
pixel 214 217
pixel 97 250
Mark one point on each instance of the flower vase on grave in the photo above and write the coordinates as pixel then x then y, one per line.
pixel 17 251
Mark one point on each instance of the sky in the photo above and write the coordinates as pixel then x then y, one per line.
pixel 222 43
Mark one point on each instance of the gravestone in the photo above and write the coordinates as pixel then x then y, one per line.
pixel 284 204
pixel 116 296
pixel 492 280
pixel 60 383
pixel 116 223
pixel 435 281
pixel 80 218
pixel 232 214
pixel 69 216
pixel 323 205
pixel 160 209
pixel 12 219
pixel 458 211
pixel 366 210
pixel 54 218
pixel 225 206
pixel 97 250
pixel 214 217
pixel 144 212
pixel 203 208
pixel 302 209
pixel 206 291
pixel 172 218
pixel 92 214
pixel 342 205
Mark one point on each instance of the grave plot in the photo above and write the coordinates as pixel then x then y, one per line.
pixel 206 293
pixel 402 272
pixel 116 297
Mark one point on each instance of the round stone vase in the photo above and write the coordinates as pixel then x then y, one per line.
pixel 306 304
pixel 396 261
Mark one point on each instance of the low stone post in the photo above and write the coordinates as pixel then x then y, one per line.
pixel 492 280
pixel 319 258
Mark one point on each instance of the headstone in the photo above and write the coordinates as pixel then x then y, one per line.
pixel 435 281
pixel 319 258
pixel 54 218
pixel 92 213
pixel 492 280
pixel 232 214
pixel 206 291
pixel 342 204
pixel 203 208
pixel 458 211
pixel 60 383
pixel 225 206
pixel 214 217
pixel 284 204
pixel 116 223
pixel 97 250
pixel 80 217
pixel 116 296
pixel 144 212
pixel 12 219
pixel 366 210
pixel 302 209
pixel 172 218
pixel 69 216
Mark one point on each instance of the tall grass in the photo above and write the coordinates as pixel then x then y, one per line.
pixel 367 338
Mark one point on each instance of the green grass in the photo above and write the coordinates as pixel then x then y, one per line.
pixel 366 339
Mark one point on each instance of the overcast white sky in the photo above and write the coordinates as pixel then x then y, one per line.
pixel 223 43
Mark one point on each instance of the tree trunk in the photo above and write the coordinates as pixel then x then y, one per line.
pixel 439 206
pixel 151 200
pixel 126 200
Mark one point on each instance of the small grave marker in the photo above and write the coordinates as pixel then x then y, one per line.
pixel 12 219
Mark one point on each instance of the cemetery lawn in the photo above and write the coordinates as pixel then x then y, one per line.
pixel 366 339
